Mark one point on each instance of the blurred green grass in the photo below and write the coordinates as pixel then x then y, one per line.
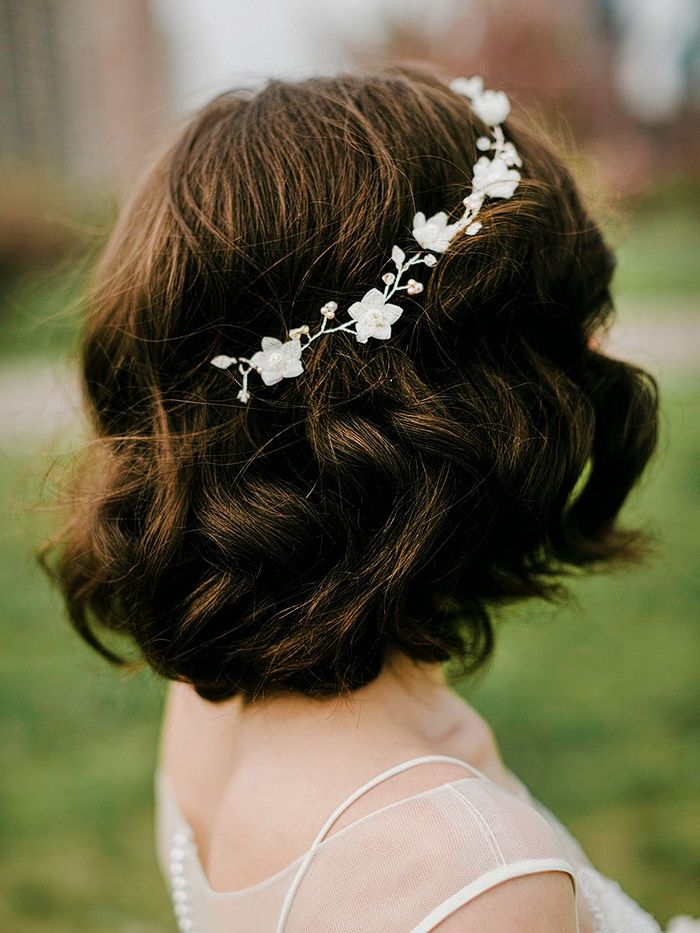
pixel 595 704
pixel 656 242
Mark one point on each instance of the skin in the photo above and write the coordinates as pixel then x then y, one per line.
pixel 227 762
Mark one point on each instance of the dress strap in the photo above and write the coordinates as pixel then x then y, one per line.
pixel 342 807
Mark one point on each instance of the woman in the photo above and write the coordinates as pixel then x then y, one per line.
pixel 417 425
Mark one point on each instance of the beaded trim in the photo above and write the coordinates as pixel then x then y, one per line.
pixel 178 883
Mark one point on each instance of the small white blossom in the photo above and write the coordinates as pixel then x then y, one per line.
pixel 469 87
pixel 492 177
pixel 222 361
pixel 483 143
pixel 388 278
pixel 473 228
pixel 374 317
pixel 434 233
pixel 277 360
pixel 509 154
pixel 243 395
pixel 430 260
pixel 492 107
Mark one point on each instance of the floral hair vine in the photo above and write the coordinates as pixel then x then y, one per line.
pixel 373 316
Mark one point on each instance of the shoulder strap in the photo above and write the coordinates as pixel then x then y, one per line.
pixel 342 807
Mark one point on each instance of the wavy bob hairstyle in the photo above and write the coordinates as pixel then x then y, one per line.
pixel 389 497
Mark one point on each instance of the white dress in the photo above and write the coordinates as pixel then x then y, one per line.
pixel 403 867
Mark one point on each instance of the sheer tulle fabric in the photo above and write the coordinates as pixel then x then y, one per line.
pixel 403 867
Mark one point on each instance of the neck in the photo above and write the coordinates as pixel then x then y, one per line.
pixel 410 700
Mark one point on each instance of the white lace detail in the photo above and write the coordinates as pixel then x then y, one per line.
pixel 683 924
pixel 612 910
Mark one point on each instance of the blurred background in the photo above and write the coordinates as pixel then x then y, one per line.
pixel 596 704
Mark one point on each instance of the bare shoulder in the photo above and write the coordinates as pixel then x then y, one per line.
pixel 539 903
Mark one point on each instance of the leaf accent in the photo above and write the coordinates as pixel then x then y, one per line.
pixel 398 256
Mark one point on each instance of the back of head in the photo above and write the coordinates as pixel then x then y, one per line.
pixel 387 497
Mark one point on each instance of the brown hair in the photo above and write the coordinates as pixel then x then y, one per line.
pixel 388 497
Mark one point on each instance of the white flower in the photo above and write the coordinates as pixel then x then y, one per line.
pixel 483 143
pixel 491 106
pixel 492 177
pixel 469 87
pixel 683 924
pixel 434 233
pixel 474 228
pixel 374 317
pixel 277 360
